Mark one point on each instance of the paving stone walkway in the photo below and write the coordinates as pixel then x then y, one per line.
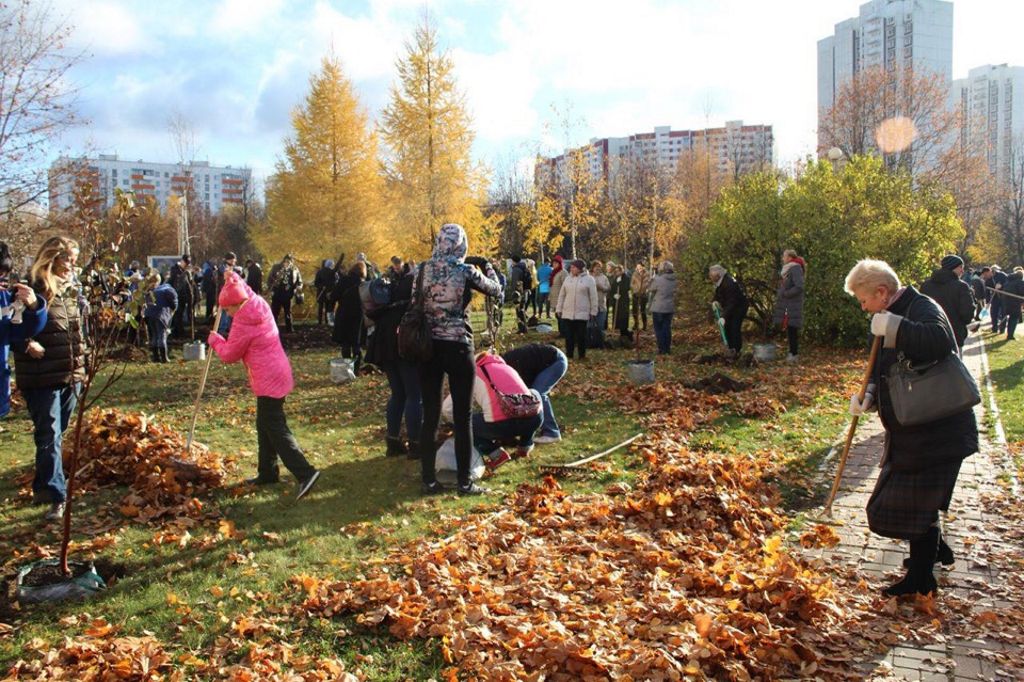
pixel 970 530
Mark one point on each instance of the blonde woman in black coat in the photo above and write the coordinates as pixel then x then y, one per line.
pixel 920 463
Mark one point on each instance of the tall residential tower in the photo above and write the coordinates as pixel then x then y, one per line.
pixel 991 100
pixel 891 34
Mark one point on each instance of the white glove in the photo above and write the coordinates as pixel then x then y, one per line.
pixel 880 322
pixel 858 407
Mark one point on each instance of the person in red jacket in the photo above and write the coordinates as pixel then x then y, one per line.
pixel 255 341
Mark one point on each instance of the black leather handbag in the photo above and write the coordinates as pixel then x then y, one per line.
pixel 925 393
pixel 415 343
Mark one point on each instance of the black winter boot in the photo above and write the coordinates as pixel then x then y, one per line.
pixel 919 578
pixel 944 557
pixel 164 355
pixel 154 354
pixel 396 447
pixel 414 450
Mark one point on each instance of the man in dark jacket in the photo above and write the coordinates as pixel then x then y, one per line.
pixel 733 302
pixel 161 304
pixel 180 279
pixel 978 289
pixel 952 294
pixel 285 283
pixel 519 283
pixel 254 276
pixel 995 280
pixel 324 281
pixel 1014 287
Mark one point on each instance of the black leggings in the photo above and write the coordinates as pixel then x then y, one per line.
pixel 576 337
pixel 793 334
pixel 456 360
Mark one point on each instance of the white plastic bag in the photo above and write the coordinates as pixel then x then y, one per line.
pixel 447 470
pixel 342 370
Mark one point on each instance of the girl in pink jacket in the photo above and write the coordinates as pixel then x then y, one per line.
pixel 254 340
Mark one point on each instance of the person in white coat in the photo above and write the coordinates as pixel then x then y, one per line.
pixel 577 305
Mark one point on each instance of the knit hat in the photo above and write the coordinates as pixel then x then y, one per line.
pixel 234 290
pixel 952 262
pixel 580 264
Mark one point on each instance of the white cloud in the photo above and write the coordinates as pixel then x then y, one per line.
pixel 499 93
pixel 235 19
pixel 109 29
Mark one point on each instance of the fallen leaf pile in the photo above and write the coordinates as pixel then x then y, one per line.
pixel 135 451
pixel 684 575
pixel 97 656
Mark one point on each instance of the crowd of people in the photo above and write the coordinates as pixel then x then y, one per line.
pixel 497 404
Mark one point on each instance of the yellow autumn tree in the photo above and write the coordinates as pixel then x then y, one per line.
pixel 326 196
pixel 428 135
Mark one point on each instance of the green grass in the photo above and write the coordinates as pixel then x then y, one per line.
pixel 364 505
pixel 1006 367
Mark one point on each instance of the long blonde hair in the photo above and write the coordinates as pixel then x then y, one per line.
pixel 42 269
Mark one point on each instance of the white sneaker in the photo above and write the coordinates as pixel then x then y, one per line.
pixel 792 359
pixel 56 512
pixel 543 440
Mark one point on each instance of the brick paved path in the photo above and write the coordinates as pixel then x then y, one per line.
pixel 969 529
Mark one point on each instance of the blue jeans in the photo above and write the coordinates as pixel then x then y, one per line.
pixel 543 384
pixel 225 325
pixel 663 331
pixel 157 332
pixel 50 409
pixel 404 381
pixel 487 436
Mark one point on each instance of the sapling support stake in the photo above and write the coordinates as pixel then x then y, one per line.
pixel 875 345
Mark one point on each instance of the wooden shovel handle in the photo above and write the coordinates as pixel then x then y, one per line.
pixel 875 345
pixel 202 385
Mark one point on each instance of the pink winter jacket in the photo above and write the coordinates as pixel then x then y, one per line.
pixel 505 379
pixel 254 340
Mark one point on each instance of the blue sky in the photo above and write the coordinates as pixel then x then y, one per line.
pixel 236 68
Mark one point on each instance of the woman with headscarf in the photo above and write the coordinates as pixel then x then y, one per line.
pixel 789 300
pixel 448 281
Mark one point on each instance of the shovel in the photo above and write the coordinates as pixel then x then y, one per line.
pixel 202 385
pixel 720 322
pixel 853 425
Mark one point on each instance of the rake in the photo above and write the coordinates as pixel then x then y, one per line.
pixel 579 466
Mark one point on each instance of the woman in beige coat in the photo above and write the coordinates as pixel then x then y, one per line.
pixel 577 305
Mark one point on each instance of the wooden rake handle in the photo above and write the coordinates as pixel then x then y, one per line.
pixel 875 345
pixel 202 385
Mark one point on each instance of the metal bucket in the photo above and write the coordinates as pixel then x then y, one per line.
pixel 765 352
pixel 342 370
pixel 194 351
pixel 640 371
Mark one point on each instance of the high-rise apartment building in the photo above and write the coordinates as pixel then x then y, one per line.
pixel 733 148
pixel 213 186
pixel 892 34
pixel 991 100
